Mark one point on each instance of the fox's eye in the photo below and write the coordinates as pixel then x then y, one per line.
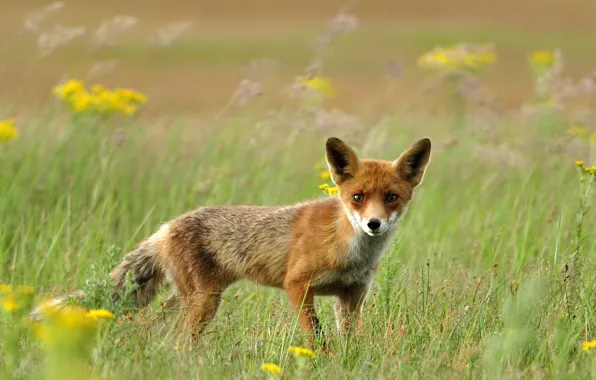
pixel 358 197
pixel 391 198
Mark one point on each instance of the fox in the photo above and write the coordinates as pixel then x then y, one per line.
pixel 323 247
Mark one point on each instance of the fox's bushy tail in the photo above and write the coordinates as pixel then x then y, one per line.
pixel 147 275
pixel 147 272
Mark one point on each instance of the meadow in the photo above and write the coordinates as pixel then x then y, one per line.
pixel 490 275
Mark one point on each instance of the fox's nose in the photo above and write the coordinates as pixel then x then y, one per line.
pixel 374 224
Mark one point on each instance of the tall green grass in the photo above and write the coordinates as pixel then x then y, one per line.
pixel 481 281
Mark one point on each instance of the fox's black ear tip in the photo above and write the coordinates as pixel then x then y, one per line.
pixel 333 141
pixel 424 142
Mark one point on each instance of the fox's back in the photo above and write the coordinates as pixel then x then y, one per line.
pixel 239 241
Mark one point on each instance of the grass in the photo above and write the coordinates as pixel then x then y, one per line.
pixel 475 284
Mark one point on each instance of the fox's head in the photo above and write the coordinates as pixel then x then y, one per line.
pixel 376 193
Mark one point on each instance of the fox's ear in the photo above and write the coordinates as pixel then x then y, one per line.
pixel 411 164
pixel 342 160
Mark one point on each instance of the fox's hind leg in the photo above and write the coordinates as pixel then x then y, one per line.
pixel 196 274
pixel 200 307
pixel 198 296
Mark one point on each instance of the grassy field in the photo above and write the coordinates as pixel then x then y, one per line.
pixel 490 276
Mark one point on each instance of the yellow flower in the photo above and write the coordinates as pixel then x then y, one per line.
pixel 333 190
pixel 40 331
pixel 131 95
pixel 329 190
pixel 99 99
pixel 271 368
pixel 587 345
pixel 318 166
pixel 139 98
pixel 10 303
pixel 74 318
pixel 100 314
pixel 579 163
pixel 52 334
pixel 578 130
pixel 82 101
pixel 542 57
pixel 68 326
pixel 108 101
pixel 457 57
pixel 68 89
pixel 325 175
pixel 129 110
pixel 302 352
pixel 5 288
pixel 320 84
pixel 442 58
pixel 8 130
pixel 119 101
pixel 430 60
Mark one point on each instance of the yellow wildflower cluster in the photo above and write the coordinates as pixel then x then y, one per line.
pixel 541 57
pixel 329 190
pixel 68 325
pixel 272 369
pixel 15 300
pixel 325 175
pixel 8 130
pixel 68 333
pixel 99 99
pixel 5 288
pixel 302 352
pixel 542 63
pixel 299 352
pixel 590 171
pixel 460 57
pixel 586 346
pixel 59 324
pixel 316 83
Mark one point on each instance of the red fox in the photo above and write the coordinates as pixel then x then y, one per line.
pixel 324 247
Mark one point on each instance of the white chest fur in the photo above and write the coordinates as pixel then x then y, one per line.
pixel 360 259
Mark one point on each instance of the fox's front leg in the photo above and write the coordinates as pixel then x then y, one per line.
pixel 348 307
pixel 303 302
